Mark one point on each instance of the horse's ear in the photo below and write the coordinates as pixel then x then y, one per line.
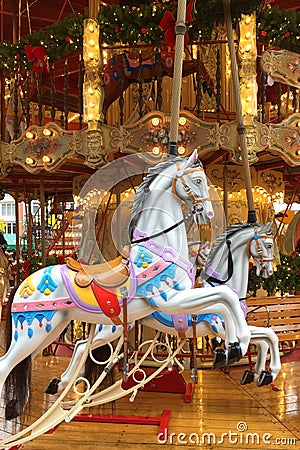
pixel 193 158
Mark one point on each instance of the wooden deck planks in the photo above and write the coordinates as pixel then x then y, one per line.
pixel 219 404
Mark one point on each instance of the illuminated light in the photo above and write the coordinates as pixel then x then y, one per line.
pixel 182 121
pixel 92 43
pixel 230 195
pixel 155 121
pixel 91 55
pixel 181 150
pixel 249 111
pixel 248 20
pixel 155 150
pixel 248 48
pixel 248 35
pixel 298 152
pixel 46 159
pixel 29 161
pixel 29 135
pixel 90 116
pixel 47 132
pixel 91 28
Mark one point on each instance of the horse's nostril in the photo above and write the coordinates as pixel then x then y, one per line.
pixel 210 214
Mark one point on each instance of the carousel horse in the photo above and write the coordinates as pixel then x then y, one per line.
pixel 156 275
pixel 124 69
pixel 246 241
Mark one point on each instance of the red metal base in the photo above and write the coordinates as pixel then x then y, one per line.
pixel 162 421
pixel 168 381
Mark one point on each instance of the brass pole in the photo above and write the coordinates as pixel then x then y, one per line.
pixel 180 29
pixel 225 191
pixel 43 228
pixel 93 8
pixel 241 127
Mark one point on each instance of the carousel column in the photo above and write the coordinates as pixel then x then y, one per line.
pixel 241 129
pixel 18 267
pixel 29 226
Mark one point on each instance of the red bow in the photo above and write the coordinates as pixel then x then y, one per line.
pixel 168 22
pixel 37 55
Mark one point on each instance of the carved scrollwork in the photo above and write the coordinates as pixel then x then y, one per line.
pixel 283 66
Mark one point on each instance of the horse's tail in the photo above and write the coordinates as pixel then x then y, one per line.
pixel 17 383
pixel 92 371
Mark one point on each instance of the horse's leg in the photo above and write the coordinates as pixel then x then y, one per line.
pixel 197 300
pixel 104 334
pixel 15 364
pixel 264 339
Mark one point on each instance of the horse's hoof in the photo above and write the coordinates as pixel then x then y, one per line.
pixel 52 387
pixel 11 411
pixel 248 377
pixel 264 378
pixel 219 358
pixel 234 353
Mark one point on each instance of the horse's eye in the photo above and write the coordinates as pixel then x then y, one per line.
pixel 198 181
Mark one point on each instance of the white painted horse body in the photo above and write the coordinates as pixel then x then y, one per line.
pixel 245 241
pixel 42 306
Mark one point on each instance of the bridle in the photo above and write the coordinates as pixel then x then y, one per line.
pixel 256 237
pixel 211 279
pixel 189 191
pixel 180 177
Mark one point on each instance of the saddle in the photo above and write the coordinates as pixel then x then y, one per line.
pixel 108 275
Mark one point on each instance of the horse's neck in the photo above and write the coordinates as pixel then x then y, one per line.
pixel 239 279
pixel 161 210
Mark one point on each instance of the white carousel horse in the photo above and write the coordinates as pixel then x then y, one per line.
pixel 245 240
pixel 161 278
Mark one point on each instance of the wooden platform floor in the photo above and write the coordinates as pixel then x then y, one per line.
pixel 220 405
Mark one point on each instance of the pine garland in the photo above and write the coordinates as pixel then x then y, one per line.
pixel 140 24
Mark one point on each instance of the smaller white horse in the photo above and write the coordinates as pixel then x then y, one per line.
pixel 230 259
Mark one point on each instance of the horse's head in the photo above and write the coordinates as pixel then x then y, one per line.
pixel 190 184
pixel 260 247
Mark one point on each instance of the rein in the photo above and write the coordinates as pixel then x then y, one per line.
pixel 211 279
pixel 166 230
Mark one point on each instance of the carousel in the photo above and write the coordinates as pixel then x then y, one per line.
pixel 157 139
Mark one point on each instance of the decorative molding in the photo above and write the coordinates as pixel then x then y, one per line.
pixel 41 148
pixel 283 66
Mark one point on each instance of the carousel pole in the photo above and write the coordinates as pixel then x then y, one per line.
pixel 241 127
pixel 180 29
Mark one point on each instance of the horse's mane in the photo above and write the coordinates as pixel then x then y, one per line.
pixel 221 240
pixel 143 189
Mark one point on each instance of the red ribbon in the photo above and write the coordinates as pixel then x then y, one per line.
pixel 37 55
pixel 168 22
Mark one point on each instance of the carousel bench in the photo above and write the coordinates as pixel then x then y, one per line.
pixel 280 313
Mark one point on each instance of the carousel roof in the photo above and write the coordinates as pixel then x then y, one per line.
pixel 36 15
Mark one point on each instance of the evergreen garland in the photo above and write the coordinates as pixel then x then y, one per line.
pixel 140 24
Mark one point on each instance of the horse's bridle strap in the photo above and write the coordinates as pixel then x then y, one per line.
pixel 256 238
pixel 185 186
